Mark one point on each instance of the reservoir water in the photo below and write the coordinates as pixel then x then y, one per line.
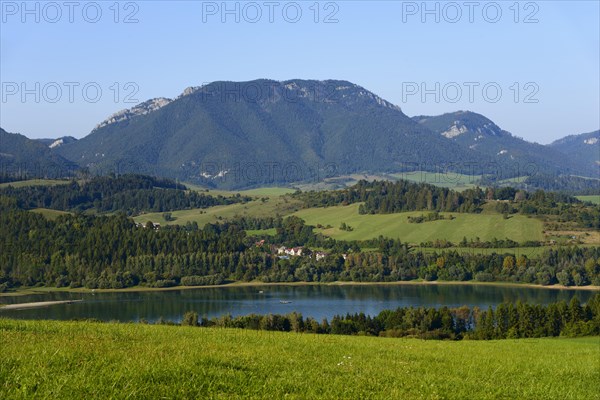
pixel 317 301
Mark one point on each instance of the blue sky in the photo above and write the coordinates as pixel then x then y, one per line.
pixel 543 56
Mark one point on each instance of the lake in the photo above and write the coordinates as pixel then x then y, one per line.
pixel 317 301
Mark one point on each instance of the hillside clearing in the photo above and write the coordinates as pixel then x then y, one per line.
pixel 485 226
pixel 595 199
pixel 257 208
pixel 34 182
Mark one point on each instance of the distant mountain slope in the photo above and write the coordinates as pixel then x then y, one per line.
pixel 478 133
pixel 22 157
pixel 52 143
pixel 584 147
pixel 240 134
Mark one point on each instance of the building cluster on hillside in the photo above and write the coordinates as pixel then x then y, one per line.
pixel 155 225
pixel 287 252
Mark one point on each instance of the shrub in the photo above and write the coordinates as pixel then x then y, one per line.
pixel 190 318
pixel 484 277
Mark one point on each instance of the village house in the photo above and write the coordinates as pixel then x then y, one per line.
pixel 294 251
pixel 155 225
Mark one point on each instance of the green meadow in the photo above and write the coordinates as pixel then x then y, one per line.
pixel 485 226
pixel 49 213
pixel 261 191
pixel 595 199
pixel 34 182
pixel 85 360
pixel 272 206
pixel 450 180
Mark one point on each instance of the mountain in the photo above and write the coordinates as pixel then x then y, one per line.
pixel 52 143
pixel 237 134
pixel 21 157
pixel 141 109
pixel 478 133
pixel 584 147
pixel 242 134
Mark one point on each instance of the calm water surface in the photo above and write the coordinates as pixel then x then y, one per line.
pixel 314 301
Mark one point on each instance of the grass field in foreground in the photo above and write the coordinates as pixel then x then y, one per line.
pixel 51 359
pixel 484 226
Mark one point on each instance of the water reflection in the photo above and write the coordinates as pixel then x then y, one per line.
pixel 316 301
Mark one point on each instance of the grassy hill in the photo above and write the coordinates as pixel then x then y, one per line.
pixel 35 182
pixel 49 213
pixel 484 226
pixel 49 359
pixel 272 206
pixel 591 198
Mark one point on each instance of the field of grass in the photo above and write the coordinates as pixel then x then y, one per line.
pixel 51 359
pixel 592 198
pixel 262 191
pixel 34 182
pixel 257 208
pixel 484 226
pixel 443 179
pixel 450 180
pixel 49 213
pixel 257 232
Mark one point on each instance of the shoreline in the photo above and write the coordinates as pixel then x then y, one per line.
pixel 39 304
pixel 46 290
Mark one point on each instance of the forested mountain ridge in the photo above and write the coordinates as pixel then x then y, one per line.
pixel 265 132
pixel 52 143
pixel 240 134
pixel 584 147
pixel 21 158
pixel 476 132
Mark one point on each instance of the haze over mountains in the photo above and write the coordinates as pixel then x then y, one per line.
pixel 239 134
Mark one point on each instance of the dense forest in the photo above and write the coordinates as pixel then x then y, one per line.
pixel 127 193
pixel 112 252
pixel 384 197
pixel 551 182
pixel 506 321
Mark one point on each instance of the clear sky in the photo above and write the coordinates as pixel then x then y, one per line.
pixel 431 58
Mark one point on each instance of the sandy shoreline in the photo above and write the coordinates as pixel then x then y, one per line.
pixel 39 304
pixel 44 290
